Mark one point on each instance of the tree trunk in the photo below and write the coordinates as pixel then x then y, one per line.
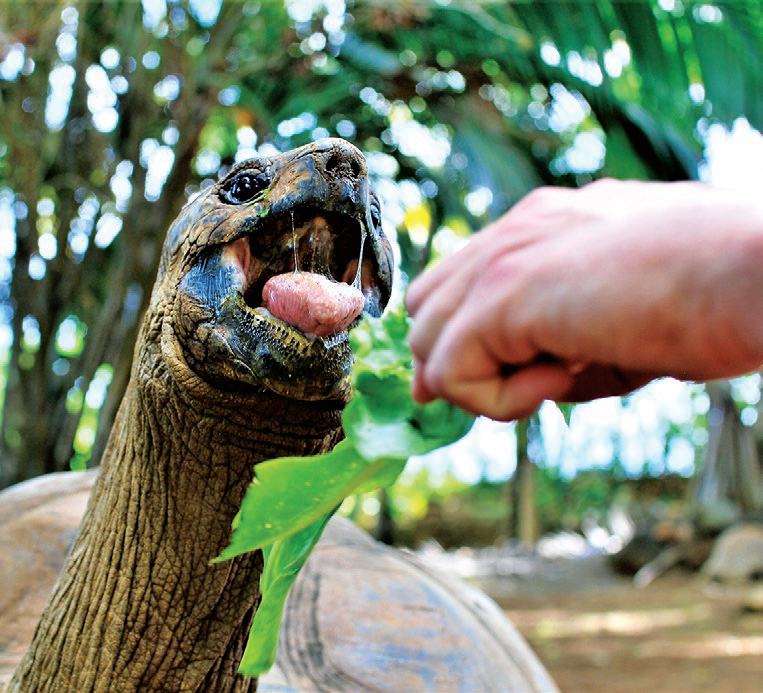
pixel 385 523
pixel 729 482
pixel 524 521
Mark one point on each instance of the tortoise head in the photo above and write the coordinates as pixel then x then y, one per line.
pixel 310 210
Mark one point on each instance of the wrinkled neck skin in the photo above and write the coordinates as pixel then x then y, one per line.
pixel 138 606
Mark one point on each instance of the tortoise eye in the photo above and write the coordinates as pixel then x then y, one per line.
pixel 244 187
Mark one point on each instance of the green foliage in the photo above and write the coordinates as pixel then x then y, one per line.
pixel 292 498
pixel 508 89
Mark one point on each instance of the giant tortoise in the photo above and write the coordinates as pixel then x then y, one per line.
pixel 218 384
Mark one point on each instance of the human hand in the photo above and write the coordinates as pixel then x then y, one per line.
pixel 577 294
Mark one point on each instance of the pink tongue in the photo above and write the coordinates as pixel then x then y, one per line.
pixel 312 303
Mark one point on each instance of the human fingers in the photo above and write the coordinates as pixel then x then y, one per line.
pixel 429 320
pixel 432 299
pixel 466 358
pixel 430 282
pixel 514 397
pixel 460 267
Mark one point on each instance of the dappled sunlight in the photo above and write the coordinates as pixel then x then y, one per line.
pixel 558 623
pixel 721 645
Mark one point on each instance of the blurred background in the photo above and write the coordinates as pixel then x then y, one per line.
pixel 114 114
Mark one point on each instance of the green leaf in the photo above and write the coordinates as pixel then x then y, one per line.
pixel 383 425
pixel 283 561
pixel 380 347
pixel 290 493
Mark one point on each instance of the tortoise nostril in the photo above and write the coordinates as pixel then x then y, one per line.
pixel 342 165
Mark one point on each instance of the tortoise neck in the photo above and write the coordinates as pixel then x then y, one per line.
pixel 138 605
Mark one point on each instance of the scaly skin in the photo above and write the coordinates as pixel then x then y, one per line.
pixel 216 387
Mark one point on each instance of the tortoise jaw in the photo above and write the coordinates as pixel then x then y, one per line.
pixel 236 347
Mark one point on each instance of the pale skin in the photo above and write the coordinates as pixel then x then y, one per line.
pixel 579 294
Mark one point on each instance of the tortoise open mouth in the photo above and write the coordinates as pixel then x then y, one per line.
pixel 309 241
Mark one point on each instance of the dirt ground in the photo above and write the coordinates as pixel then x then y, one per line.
pixel 596 633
